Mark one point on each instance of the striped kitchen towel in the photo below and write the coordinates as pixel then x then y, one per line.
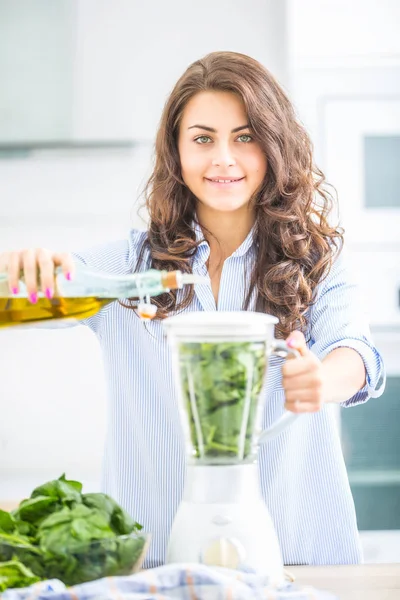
pixel 171 582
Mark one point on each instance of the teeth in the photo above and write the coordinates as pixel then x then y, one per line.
pixel 224 180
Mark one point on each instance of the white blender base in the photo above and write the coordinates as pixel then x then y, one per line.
pixel 223 521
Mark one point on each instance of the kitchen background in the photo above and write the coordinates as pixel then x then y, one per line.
pixel 82 85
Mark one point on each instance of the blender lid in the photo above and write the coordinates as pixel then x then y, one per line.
pixel 215 324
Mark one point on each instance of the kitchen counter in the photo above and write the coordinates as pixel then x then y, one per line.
pixel 353 582
pixel 348 582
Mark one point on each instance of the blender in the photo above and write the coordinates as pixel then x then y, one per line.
pixel 220 364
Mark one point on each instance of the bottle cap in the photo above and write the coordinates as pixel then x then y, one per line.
pixel 176 279
pixel 170 280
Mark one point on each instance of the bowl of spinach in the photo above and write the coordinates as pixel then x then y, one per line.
pixel 221 383
pixel 61 533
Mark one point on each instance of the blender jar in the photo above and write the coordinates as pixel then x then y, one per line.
pixel 220 364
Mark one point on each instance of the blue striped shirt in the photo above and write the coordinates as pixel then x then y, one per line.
pixel 302 471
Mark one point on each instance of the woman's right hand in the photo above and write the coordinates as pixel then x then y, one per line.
pixel 37 266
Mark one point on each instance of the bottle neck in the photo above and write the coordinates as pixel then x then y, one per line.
pixel 87 283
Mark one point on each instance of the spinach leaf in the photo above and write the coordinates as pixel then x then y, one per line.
pixel 7 522
pixel 34 509
pixel 63 489
pixel 44 500
pixel 13 545
pixel 13 574
pixel 221 385
pixel 65 530
pixel 61 533
pixel 119 520
pixel 15 539
pixel 106 557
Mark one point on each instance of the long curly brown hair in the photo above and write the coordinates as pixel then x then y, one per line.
pixel 295 242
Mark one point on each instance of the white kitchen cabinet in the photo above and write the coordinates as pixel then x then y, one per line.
pixel 333 34
pixel 361 151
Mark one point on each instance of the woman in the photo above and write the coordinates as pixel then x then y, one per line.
pixel 234 194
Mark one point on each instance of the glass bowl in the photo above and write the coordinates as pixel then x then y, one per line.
pixel 119 555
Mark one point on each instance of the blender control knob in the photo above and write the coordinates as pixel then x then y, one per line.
pixel 223 552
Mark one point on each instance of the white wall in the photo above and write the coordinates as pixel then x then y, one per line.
pixel 127 57
pixel 129 54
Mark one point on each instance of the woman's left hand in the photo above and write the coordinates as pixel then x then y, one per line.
pixel 302 378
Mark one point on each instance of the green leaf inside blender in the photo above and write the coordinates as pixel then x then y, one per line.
pixel 221 384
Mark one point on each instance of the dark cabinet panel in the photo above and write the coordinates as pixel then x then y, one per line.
pixel 371 446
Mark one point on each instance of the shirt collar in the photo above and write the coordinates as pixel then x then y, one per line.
pixel 203 249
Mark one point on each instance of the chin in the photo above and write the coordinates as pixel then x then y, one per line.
pixel 228 205
pixel 228 209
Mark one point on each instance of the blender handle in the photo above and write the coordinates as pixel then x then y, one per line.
pixel 280 348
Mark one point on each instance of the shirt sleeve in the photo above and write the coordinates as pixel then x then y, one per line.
pixel 338 320
pixel 118 257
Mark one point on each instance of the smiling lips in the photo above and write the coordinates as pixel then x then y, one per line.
pixel 219 181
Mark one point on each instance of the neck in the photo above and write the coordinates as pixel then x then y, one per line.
pixel 228 229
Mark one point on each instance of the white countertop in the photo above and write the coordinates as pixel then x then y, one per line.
pixel 353 582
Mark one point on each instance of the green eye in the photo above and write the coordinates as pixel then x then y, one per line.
pixel 203 139
pixel 245 138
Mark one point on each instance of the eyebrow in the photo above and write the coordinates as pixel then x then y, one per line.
pixel 215 131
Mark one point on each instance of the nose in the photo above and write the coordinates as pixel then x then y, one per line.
pixel 223 156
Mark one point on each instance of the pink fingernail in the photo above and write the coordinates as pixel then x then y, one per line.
pixel 49 293
pixel 68 276
pixel 291 343
pixel 33 298
pixel 15 290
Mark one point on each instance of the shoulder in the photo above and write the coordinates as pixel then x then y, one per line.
pixel 119 256
pixel 338 295
pixel 338 274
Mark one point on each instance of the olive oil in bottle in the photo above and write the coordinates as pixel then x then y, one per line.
pixel 18 311
pixel 87 293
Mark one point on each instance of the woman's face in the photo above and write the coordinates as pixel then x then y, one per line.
pixel 221 162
